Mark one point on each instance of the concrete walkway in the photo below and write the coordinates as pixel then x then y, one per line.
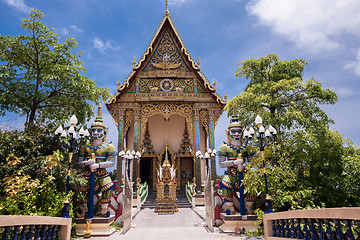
pixel 186 224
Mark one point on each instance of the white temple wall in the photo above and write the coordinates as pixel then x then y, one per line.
pixel 162 131
pixel 176 132
pixel 156 125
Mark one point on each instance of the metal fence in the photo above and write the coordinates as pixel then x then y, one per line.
pixel 34 227
pixel 327 223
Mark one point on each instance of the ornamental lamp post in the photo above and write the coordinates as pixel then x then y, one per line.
pixel 129 156
pixel 60 132
pixel 206 156
pixel 212 153
pixel 213 159
pixel 265 138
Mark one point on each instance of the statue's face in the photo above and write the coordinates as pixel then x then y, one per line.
pixel 97 133
pixel 235 133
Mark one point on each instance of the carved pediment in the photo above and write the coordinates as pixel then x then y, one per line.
pixel 166 56
pixel 165 72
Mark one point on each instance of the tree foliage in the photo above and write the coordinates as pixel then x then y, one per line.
pixel 279 94
pixel 309 165
pixel 33 174
pixel 40 76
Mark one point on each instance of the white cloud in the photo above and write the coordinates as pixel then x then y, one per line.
pixel 72 29
pixel 103 46
pixel 64 31
pixel 312 25
pixel 176 1
pixel 18 4
pixel 345 92
pixel 76 29
pixel 355 65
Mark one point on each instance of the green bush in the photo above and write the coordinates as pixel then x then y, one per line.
pixel 26 196
pixel 33 174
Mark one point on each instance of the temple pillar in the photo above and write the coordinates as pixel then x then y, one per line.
pixel 212 142
pixel 205 141
pixel 120 145
pixel 197 164
pixel 136 146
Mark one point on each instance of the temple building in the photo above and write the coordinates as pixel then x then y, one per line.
pixel 166 104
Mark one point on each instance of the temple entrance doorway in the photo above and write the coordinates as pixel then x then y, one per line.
pixel 146 170
pixel 186 171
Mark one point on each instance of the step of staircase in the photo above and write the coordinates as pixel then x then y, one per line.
pixel 151 202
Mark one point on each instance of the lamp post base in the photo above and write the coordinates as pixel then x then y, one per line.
pixel 268 207
pixel 95 227
pixel 87 232
pixel 66 209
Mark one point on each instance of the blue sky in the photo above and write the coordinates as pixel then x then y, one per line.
pixel 325 33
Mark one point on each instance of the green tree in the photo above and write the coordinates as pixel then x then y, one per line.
pixel 277 92
pixel 40 76
pixel 309 164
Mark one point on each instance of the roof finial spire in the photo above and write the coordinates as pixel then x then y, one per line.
pixel 99 114
pixel 167 13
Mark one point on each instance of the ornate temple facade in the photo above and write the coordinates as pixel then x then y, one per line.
pixel 166 100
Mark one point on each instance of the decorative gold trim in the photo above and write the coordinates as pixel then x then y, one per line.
pixel 204 118
pixel 164 150
pixel 165 184
pixel 167 13
pixel 129 119
pixel 186 148
pixel 134 62
pixel 164 65
pixel 118 85
pixel 214 84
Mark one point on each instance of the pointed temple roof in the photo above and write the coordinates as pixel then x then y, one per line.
pixel 157 59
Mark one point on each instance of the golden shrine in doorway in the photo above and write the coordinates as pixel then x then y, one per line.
pixel 166 99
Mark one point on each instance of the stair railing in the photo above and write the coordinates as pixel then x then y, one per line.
pixel 34 227
pixel 190 193
pixel 142 193
pixel 327 223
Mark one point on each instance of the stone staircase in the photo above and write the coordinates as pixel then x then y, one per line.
pixel 182 201
pixel 151 202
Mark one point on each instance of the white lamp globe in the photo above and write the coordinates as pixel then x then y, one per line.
pixel 258 120
pixel 73 120
pixel 63 134
pixel 267 133
pixel 261 129
pixel 251 131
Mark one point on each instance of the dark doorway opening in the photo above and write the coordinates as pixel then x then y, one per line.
pixel 186 171
pixel 146 170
